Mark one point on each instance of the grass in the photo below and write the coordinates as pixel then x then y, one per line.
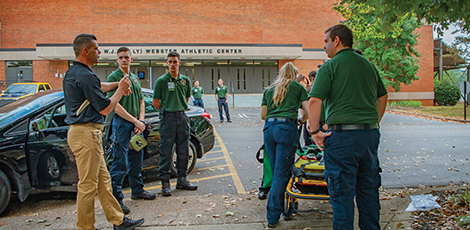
pixel 455 111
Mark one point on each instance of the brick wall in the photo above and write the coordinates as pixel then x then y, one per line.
pixel 26 23
pixel 44 71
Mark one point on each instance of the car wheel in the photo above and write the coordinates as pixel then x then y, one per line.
pixel 48 168
pixel 5 191
pixel 192 156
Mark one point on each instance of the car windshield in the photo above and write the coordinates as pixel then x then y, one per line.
pixel 18 109
pixel 21 89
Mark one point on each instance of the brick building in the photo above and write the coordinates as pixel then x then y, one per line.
pixel 242 42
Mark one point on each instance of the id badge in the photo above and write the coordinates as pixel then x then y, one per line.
pixel 171 86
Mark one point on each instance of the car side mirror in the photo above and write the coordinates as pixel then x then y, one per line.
pixel 38 124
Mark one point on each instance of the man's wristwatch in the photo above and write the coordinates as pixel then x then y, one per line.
pixel 314 132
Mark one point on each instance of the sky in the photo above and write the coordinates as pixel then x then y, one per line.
pixel 448 36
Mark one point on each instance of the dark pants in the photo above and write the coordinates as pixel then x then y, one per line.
pixel 221 102
pixel 125 161
pixel 352 169
pixel 280 138
pixel 198 102
pixel 307 140
pixel 174 131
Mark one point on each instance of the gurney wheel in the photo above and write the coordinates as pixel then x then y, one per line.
pixel 291 203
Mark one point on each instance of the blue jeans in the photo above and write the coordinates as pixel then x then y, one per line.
pixel 280 138
pixel 352 169
pixel 222 103
pixel 174 130
pixel 125 161
pixel 198 102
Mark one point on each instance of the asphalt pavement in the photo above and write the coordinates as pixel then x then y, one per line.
pixel 413 152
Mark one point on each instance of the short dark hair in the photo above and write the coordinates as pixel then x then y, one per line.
pixel 195 81
pixel 124 49
pixel 312 74
pixel 343 32
pixel 81 41
pixel 173 54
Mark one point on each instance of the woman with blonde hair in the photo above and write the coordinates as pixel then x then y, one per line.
pixel 279 107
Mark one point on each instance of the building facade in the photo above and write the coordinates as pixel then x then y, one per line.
pixel 243 42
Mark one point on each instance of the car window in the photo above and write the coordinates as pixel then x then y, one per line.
pixel 47 87
pixel 41 122
pixel 41 88
pixel 149 108
pixel 58 118
pixel 21 89
pixel 18 129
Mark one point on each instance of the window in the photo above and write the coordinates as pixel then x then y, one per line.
pixel 48 87
pixel 41 88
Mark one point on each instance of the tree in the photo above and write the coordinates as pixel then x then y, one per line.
pixel 392 51
pixel 443 12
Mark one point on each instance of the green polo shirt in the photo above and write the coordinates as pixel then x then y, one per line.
pixel 221 91
pixel 130 103
pixel 296 94
pixel 350 85
pixel 197 92
pixel 172 101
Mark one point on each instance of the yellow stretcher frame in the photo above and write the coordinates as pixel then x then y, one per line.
pixel 292 198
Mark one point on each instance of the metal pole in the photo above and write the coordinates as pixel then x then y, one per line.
pixel 465 100
pixel 440 60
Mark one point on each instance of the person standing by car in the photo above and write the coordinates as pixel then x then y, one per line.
pixel 86 106
pixel 196 94
pixel 356 99
pixel 128 120
pixel 279 108
pixel 221 95
pixel 170 96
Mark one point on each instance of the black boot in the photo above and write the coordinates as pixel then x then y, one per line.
pixel 183 183
pixel 166 188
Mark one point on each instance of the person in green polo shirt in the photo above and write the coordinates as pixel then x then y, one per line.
pixel 128 120
pixel 279 108
pixel 221 95
pixel 196 94
pixel 355 99
pixel 170 96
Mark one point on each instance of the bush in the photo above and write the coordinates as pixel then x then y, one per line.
pixel 446 93
pixel 405 103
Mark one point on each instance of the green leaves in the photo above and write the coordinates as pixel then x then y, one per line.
pixel 389 46
pixel 433 11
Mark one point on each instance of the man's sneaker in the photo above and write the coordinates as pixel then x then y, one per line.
pixel 229 121
pixel 222 121
pixel 183 183
pixel 126 210
pixel 128 224
pixel 145 195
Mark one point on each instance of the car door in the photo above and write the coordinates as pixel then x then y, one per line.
pixel 51 160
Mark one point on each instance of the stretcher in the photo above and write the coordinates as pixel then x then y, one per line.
pixel 307 181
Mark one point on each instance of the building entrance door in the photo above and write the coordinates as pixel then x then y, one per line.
pixel 212 76
pixel 242 78
pixel 18 74
pixel 265 76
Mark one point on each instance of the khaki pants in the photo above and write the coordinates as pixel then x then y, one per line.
pixel 85 142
